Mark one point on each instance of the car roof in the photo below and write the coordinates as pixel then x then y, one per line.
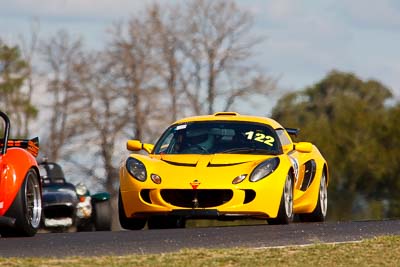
pixel 231 116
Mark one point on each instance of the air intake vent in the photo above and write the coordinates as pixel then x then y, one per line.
pixel 226 114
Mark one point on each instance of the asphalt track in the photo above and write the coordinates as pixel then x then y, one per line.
pixel 170 240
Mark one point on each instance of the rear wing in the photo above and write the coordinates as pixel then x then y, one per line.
pixel 292 131
pixel 32 146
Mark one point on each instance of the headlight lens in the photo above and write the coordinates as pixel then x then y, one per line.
pixel 81 189
pixel 264 169
pixel 136 168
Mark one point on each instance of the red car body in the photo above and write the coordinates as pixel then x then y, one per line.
pixel 20 186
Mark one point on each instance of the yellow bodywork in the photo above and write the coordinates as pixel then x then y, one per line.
pixel 217 172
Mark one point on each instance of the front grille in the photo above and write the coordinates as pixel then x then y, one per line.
pixel 58 211
pixel 203 198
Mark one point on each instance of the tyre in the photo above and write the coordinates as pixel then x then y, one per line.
pixel 102 216
pixel 320 211
pixel 26 208
pixel 128 223
pixel 85 226
pixel 166 222
pixel 285 213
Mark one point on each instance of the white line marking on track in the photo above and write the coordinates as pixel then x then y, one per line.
pixel 312 244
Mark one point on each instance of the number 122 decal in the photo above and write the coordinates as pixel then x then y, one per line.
pixel 260 137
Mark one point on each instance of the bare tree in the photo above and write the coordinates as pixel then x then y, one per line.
pixel 63 56
pixel 220 44
pixel 156 68
pixel 132 56
pixel 106 115
pixel 167 31
pixel 87 109
pixel 29 49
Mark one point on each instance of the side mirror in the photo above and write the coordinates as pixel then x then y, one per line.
pixel 304 147
pixel 136 145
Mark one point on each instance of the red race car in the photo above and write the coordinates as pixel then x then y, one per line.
pixel 20 185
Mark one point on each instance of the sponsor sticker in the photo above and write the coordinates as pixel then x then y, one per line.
pixel 181 127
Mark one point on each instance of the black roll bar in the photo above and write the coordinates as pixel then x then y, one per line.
pixel 6 132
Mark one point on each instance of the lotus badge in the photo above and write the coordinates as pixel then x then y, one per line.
pixel 195 184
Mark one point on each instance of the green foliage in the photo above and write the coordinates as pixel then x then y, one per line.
pixel 14 99
pixel 357 132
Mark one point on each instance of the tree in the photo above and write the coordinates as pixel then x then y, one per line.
pixel 131 55
pixel 389 186
pixel 29 49
pixel 106 116
pixel 194 57
pixel 15 98
pixel 87 109
pixel 344 116
pixel 166 28
pixel 218 41
pixel 64 58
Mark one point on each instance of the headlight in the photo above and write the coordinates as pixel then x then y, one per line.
pixel 81 189
pixel 264 169
pixel 136 168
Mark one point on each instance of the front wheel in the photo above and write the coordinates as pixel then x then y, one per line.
pixel 285 213
pixel 26 208
pixel 320 211
pixel 102 216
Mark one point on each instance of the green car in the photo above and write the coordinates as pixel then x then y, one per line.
pixel 67 206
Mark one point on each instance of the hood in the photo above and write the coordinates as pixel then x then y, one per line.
pixel 210 160
pixel 59 195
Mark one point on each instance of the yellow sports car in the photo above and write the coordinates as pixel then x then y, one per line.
pixel 222 166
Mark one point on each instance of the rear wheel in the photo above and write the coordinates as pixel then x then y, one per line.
pixel 285 213
pixel 26 208
pixel 128 223
pixel 102 216
pixel 320 211
pixel 166 222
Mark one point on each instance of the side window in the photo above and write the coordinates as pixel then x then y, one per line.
pixel 283 137
pixel 166 143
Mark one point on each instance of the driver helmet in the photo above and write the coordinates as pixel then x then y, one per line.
pixel 202 139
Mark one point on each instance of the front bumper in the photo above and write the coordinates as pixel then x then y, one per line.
pixel 248 199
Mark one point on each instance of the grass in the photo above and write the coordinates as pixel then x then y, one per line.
pixel 381 251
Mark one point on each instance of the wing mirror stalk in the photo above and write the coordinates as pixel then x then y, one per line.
pixel 136 145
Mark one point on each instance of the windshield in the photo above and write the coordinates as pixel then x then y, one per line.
pixel 213 137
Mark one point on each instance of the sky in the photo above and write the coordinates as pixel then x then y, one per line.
pixel 304 39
